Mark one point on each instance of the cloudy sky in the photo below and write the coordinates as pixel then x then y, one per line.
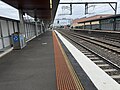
pixel 8 11
pixel 78 10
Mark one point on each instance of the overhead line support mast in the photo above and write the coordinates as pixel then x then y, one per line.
pixel 87 3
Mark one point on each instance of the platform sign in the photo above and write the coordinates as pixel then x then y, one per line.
pixel 16 38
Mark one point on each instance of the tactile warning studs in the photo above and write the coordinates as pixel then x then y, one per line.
pixel 65 75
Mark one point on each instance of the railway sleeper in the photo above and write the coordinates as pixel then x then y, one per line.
pixel 104 66
pixel 99 62
pixel 87 53
pixel 110 70
pixel 116 78
pixel 84 51
pixel 113 73
pixel 94 58
pixel 90 55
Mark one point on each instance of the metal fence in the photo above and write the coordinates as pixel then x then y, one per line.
pixel 9 26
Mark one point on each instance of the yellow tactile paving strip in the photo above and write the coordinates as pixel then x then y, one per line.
pixel 65 74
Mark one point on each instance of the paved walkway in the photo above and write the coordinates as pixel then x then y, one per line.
pixel 32 68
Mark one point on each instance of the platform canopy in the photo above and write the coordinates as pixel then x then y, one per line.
pixel 42 9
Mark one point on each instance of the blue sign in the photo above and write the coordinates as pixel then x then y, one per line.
pixel 15 38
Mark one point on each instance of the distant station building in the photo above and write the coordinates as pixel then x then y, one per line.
pixel 76 22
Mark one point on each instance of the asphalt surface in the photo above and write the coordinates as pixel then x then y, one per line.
pixel 31 68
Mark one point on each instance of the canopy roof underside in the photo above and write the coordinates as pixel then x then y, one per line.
pixel 36 8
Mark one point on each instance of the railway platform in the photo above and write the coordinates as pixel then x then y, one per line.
pixel 31 68
pixel 50 62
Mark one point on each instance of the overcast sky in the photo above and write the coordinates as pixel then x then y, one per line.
pixel 78 10
pixel 8 11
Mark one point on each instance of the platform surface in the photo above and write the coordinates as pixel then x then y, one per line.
pixel 32 68
pixel 44 65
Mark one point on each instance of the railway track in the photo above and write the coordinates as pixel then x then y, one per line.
pixel 106 39
pixel 106 65
pixel 107 45
pixel 110 38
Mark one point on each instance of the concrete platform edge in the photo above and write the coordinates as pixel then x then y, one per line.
pixel 6 52
pixel 101 80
